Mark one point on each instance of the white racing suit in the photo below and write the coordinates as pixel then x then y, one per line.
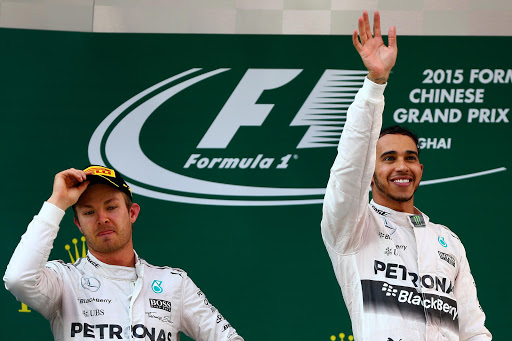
pixel 403 278
pixel 93 300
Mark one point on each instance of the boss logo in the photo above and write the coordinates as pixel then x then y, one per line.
pixel 160 304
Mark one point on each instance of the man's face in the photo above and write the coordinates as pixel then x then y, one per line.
pixel 397 170
pixel 104 219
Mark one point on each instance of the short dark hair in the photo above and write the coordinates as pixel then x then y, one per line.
pixel 399 130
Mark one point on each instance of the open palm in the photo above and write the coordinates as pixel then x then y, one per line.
pixel 378 58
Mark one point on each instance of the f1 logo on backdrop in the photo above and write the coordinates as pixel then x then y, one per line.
pixel 324 111
pixel 116 141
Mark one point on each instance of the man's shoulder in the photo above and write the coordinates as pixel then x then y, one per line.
pixel 63 268
pixel 445 229
pixel 164 269
pixel 61 264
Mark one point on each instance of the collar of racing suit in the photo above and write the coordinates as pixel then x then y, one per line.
pixel 401 218
pixel 117 272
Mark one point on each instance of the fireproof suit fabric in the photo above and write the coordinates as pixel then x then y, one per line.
pixel 91 299
pixel 402 277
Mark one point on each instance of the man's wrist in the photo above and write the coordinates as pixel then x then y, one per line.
pixel 58 203
pixel 378 79
pixel 372 92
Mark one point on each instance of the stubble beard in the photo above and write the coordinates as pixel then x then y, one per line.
pixel 381 189
pixel 109 247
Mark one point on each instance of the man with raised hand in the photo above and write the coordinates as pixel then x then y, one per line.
pixel 402 276
pixel 112 293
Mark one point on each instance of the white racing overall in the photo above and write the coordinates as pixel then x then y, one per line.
pixel 93 300
pixel 403 278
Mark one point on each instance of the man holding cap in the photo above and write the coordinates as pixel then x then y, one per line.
pixel 112 293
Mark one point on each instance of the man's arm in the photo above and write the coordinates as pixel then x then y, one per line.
pixel 346 197
pixel 471 315
pixel 26 276
pixel 201 320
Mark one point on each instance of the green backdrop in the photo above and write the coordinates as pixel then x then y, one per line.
pixel 262 264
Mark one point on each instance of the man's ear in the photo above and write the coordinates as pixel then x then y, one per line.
pixel 134 212
pixel 77 223
pixel 421 170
